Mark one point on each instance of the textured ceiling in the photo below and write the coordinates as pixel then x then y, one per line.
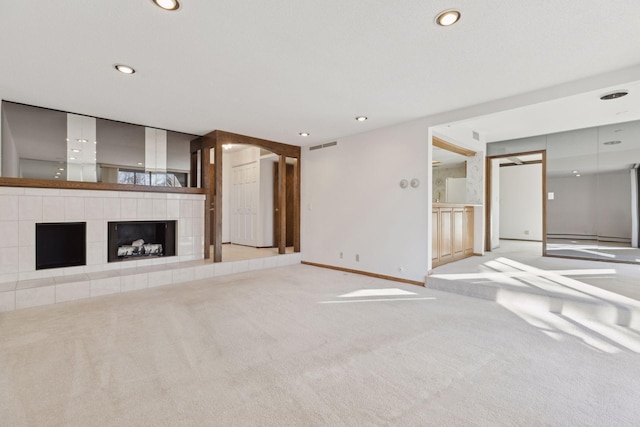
pixel 273 69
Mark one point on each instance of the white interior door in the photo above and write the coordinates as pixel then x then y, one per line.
pixel 244 204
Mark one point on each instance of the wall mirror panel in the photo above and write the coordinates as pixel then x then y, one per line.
pixel 592 186
pixel 38 143
pixel 449 171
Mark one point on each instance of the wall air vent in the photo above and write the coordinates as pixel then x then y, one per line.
pixel 328 144
pixel 476 136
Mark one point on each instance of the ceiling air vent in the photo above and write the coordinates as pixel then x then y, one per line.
pixel 328 144
pixel 476 136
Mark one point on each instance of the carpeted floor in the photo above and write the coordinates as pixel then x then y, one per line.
pixel 306 346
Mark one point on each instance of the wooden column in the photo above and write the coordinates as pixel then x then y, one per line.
pixel 217 232
pixel 205 164
pixel 296 207
pixel 193 172
pixel 282 203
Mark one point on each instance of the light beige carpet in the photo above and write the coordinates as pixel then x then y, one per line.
pixel 306 346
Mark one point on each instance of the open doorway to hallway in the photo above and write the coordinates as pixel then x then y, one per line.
pixel 516 199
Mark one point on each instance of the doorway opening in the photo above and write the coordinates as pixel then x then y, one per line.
pixel 516 201
pixel 254 211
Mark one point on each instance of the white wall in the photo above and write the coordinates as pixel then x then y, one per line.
pixel 10 157
pixel 352 202
pixel 265 212
pixel 521 202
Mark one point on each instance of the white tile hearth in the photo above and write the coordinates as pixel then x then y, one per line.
pixel 34 297
pixel 31 293
pixel 22 286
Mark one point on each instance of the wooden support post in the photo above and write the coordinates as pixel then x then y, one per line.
pixel 282 203
pixel 296 206
pixel 205 164
pixel 217 232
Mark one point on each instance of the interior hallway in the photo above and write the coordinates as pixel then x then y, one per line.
pixel 309 346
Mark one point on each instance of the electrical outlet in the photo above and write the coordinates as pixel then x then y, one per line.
pixel 526 232
pixel 341 255
pixel 401 269
pixel 357 258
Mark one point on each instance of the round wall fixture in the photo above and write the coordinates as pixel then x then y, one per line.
pixel 415 183
pixel 404 183
pixel 614 95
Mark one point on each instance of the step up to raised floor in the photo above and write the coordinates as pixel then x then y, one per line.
pixel 552 294
pixel 56 289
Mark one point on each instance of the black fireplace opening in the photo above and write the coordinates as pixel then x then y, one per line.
pixel 61 244
pixel 130 240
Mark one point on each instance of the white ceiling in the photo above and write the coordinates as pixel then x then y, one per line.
pixel 563 114
pixel 274 69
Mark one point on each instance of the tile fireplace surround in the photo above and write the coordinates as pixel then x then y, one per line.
pixel 22 286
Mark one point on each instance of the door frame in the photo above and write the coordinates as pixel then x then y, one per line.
pixel 488 204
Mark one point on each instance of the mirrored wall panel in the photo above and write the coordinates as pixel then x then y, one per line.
pixel 592 184
pixel 38 143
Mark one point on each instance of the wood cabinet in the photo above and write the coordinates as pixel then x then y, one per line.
pixel 452 233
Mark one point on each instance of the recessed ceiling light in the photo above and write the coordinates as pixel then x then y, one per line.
pixel 72 158
pixel 81 140
pixel 448 17
pixel 57 173
pixel 75 150
pixel 578 175
pixel 614 95
pixel 612 142
pixel 140 163
pixel 361 118
pixel 167 4
pixel 60 169
pixel 56 176
pixel 575 172
pixel 304 134
pixel 124 69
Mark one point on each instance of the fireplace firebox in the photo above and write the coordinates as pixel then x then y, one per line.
pixel 61 244
pixel 130 240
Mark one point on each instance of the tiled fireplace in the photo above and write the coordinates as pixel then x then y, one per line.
pixel 22 285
